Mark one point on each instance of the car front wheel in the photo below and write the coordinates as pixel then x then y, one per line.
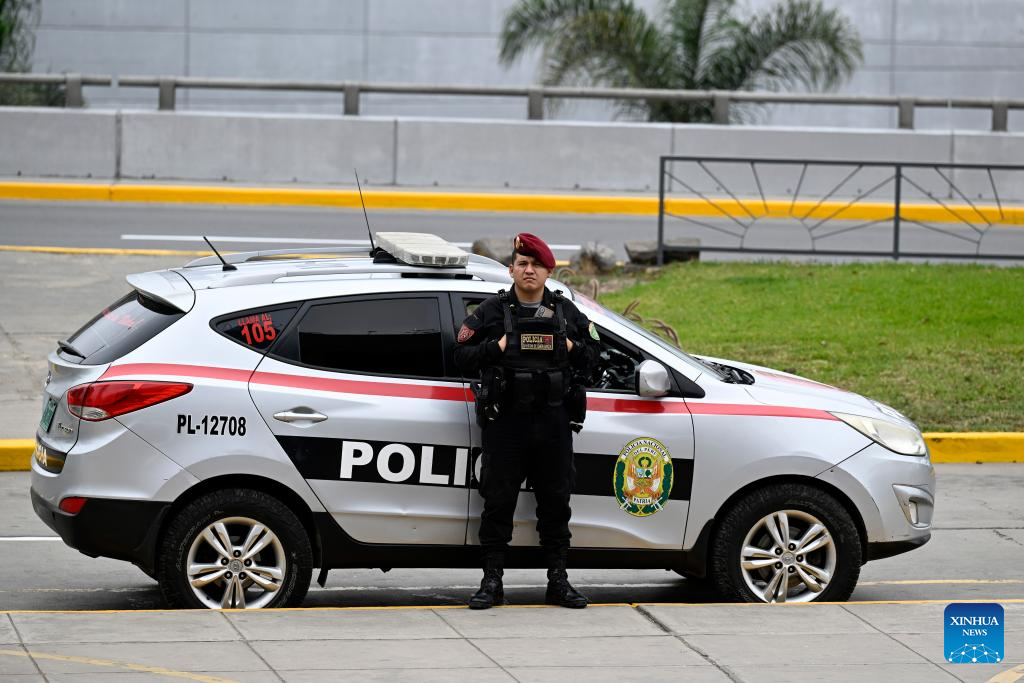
pixel 787 543
pixel 235 549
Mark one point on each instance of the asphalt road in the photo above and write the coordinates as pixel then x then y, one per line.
pixel 976 552
pixel 180 226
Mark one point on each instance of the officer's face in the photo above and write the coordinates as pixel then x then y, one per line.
pixel 528 275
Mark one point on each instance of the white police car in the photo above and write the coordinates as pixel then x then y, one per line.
pixel 228 430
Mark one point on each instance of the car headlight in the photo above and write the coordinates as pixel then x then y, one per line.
pixel 904 439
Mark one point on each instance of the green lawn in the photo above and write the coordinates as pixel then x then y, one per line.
pixel 942 343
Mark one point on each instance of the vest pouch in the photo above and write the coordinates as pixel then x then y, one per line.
pixel 576 406
pixel 524 391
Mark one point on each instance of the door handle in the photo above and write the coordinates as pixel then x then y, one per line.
pixel 300 415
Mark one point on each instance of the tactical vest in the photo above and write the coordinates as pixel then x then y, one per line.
pixel 536 358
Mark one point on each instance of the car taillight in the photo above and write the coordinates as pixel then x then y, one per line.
pixel 103 400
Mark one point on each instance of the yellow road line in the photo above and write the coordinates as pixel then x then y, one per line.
pixel 105 251
pixel 142 668
pixel 1008 676
pixel 1002 601
pixel 930 582
pixel 514 202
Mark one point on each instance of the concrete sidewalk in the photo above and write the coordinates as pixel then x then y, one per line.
pixel 838 642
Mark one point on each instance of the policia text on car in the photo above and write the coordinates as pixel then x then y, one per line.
pixel 532 350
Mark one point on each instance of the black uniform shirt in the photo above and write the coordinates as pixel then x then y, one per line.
pixel 478 337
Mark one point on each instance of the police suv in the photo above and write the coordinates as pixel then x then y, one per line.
pixel 229 426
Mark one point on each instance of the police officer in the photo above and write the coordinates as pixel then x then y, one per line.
pixel 533 350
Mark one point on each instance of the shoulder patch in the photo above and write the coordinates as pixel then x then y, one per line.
pixel 465 332
pixel 593 332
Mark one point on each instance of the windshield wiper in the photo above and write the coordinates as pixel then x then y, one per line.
pixel 66 347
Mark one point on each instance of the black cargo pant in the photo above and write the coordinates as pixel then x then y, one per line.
pixel 537 446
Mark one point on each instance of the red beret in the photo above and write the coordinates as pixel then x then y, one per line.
pixel 531 245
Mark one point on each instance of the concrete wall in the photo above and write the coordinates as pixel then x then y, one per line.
pixel 941 48
pixel 477 154
pixel 56 142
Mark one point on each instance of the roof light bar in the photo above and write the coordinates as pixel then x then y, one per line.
pixel 422 249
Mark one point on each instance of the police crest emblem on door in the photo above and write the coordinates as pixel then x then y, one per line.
pixel 643 477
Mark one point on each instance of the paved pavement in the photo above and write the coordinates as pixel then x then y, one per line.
pixel 852 642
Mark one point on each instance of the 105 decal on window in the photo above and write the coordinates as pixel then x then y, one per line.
pixel 255 329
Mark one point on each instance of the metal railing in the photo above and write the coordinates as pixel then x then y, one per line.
pixel 721 100
pixel 800 207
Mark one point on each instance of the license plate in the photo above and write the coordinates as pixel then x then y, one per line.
pixel 48 411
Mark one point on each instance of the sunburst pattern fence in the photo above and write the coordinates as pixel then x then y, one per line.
pixel 843 208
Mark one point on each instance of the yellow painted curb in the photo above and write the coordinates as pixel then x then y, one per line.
pixel 945 447
pixel 16 454
pixel 976 446
pixel 807 210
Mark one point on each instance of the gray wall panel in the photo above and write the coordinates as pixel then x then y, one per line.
pixel 543 155
pixel 54 142
pixel 437 16
pixel 440 59
pixel 140 52
pixel 960 21
pixel 162 15
pixel 228 16
pixel 256 148
pixel 326 57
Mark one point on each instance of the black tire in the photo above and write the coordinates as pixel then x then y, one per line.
pixel 725 568
pixel 268 511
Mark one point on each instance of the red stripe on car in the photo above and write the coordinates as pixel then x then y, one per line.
pixel 348 386
pixel 698 408
pixel 449 393
pixel 176 370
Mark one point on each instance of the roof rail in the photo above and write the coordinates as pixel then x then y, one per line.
pixel 268 254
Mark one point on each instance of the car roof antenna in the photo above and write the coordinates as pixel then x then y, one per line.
pixel 227 266
pixel 378 254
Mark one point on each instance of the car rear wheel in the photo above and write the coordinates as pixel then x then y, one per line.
pixel 235 549
pixel 787 543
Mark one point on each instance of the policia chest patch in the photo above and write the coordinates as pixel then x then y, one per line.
pixel 536 342
pixel 643 477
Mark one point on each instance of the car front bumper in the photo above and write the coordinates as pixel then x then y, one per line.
pixel 894 495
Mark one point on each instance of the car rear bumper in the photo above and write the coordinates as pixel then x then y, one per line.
pixel 119 529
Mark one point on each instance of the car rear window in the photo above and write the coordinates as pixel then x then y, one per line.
pixel 120 328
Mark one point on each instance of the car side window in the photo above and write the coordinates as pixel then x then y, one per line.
pixel 616 364
pixel 399 336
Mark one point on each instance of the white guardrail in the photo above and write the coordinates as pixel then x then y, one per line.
pixel 167 87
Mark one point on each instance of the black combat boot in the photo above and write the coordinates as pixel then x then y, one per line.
pixel 491 591
pixel 560 591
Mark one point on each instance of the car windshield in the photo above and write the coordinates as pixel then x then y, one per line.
pixel 650 336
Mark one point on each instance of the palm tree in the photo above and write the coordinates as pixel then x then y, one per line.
pixel 693 45
pixel 18 18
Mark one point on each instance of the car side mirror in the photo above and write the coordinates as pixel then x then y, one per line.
pixel 652 379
